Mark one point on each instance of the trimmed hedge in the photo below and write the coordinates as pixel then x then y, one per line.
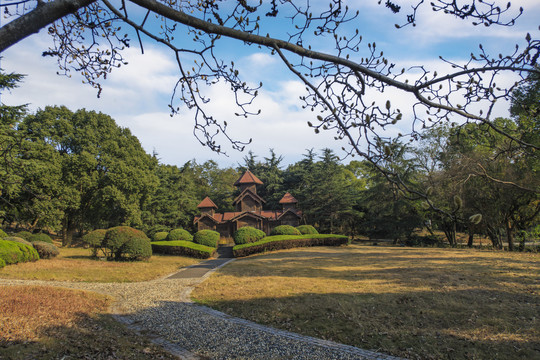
pixel 2 263
pixel 24 234
pixel 160 236
pixel 94 239
pixel 18 239
pixel 40 237
pixel 116 240
pixel 179 234
pixel 247 234
pixel 12 252
pixel 45 250
pixel 182 247
pixel 306 229
pixel 3 234
pixel 280 242
pixel 207 238
pixel 285 230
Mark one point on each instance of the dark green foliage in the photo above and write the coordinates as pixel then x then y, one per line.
pixel 206 237
pixel 280 242
pixel 45 250
pixel 182 247
pixel 2 263
pixel 179 234
pixel 307 229
pixel 24 234
pixel 94 239
pixel 18 239
pixel 3 234
pixel 137 248
pixel 247 234
pixel 40 237
pixel 285 230
pixel 12 252
pixel 160 236
pixel 117 237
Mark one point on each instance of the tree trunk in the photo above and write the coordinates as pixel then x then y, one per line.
pixel 471 238
pixel 67 232
pixel 510 236
pixel 450 232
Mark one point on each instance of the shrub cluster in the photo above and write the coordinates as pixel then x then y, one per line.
pixel 207 237
pixel 279 242
pixel 247 234
pixel 124 242
pixel 19 240
pixel 12 252
pixel 45 249
pixel 40 237
pixel 285 230
pixel 182 247
pixel 160 236
pixel 307 229
pixel 24 234
pixel 3 234
pixel 179 234
pixel 94 240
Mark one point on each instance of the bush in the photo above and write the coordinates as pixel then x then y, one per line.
pixel 137 248
pixel 151 231
pixel 182 247
pixel 207 238
pixel 306 229
pixel 247 234
pixel 45 250
pixel 24 234
pixel 160 236
pixel 3 234
pixel 2 263
pixel 116 237
pixel 12 252
pixel 179 234
pixel 285 230
pixel 94 239
pixel 279 242
pixel 19 240
pixel 40 237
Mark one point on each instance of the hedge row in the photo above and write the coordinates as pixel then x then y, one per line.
pixel 280 242
pixel 182 247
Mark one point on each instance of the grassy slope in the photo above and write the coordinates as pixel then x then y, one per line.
pixel 410 302
pixel 75 264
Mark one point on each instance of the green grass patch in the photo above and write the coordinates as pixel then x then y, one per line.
pixel 182 247
pixel 278 242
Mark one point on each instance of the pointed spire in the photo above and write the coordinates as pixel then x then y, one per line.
pixel 248 178
pixel 288 199
pixel 207 203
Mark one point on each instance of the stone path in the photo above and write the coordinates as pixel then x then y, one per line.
pixel 163 311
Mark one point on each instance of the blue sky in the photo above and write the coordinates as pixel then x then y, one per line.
pixel 137 95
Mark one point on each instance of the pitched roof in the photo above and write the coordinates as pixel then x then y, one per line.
pixel 248 192
pixel 288 199
pixel 207 203
pixel 248 178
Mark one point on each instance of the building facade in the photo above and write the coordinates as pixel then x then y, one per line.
pixel 248 211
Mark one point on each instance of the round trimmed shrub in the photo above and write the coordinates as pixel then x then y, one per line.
pixel 285 230
pixel 179 234
pixel 117 236
pixel 247 234
pixel 160 236
pixel 40 237
pixel 13 252
pixel 94 239
pixel 137 248
pixel 3 234
pixel 307 229
pixel 24 234
pixel 206 237
pixel 2 263
pixel 19 240
pixel 45 250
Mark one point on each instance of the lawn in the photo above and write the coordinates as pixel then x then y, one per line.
pixel 418 303
pixel 76 264
pixel 54 323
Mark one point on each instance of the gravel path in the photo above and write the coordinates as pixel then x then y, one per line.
pixel 162 310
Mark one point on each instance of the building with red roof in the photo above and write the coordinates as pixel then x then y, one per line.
pixel 249 210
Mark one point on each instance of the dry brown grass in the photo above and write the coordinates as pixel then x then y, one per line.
pixel 76 264
pixel 54 323
pixel 413 302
